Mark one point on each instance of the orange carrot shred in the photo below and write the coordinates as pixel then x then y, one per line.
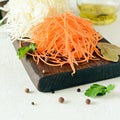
pixel 65 39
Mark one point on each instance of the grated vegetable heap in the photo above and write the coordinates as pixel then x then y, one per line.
pixel 64 39
pixel 23 14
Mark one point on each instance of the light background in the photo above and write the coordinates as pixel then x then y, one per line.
pixel 15 104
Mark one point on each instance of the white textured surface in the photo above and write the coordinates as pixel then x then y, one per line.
pixel 15 104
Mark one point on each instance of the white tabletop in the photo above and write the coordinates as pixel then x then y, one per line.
pixel 15 104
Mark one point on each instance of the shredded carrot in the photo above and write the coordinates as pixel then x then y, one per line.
pixel 65 39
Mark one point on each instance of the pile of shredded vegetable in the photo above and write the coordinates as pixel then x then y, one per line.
pixel 23 14
pixel 64 39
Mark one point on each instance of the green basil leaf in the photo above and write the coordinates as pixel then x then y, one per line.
pixel 98 90
pixel 21 52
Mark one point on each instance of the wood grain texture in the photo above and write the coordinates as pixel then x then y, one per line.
pixel 56 78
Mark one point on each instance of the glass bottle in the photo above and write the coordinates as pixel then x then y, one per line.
pixel 100 12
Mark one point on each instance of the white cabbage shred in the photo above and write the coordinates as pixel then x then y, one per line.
pixel 23 14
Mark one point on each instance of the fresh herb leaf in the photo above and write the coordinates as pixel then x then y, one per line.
pixel 32 47
pixel 21 52
pixel 110 87
pixel 98 90
pixel 109 51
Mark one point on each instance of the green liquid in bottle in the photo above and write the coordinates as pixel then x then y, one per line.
pixel 99 14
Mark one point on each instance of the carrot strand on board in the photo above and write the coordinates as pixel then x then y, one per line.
pixel 65 39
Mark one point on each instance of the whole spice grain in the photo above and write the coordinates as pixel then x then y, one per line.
pixel 78 90
pixel 27 90
pixel 52 91
pixel 32 103
pixel 61 99
pixel 88 101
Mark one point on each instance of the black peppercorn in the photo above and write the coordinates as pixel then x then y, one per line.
pixel 78 90
pixel 32 103
pixel 52 91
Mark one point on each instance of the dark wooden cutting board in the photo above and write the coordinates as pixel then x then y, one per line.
pixel 56 78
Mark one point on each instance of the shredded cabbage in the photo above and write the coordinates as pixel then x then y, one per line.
pixel 23 14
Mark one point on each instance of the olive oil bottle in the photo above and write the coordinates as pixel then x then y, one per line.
pixel 98 13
